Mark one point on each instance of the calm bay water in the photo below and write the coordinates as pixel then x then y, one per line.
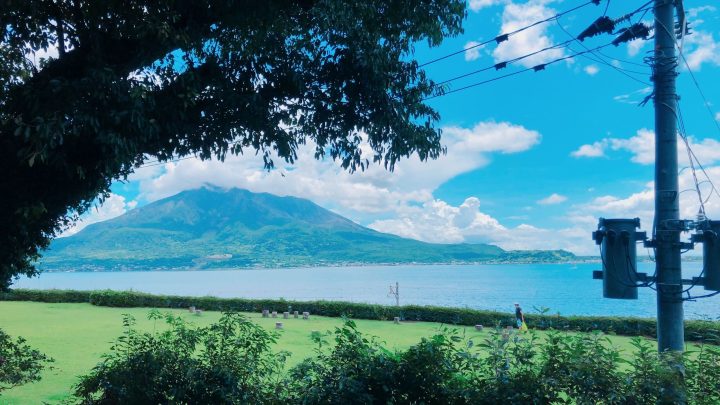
pixel 565 288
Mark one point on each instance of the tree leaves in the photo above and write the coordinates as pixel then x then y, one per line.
pixel 170 79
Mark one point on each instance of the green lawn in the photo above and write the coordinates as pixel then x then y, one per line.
pixel 76 335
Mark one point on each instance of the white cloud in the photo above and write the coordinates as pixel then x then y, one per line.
pixel 492 136
pixel 516 16
pixel 642 148
pixel 701 48
pixel 114 206
pixel 596 149
pixel 361 196
pixel 552 199
pixel 592 70
pixel 695 11
pixel 641 203
pixel 477 5
pixel 439 222
pixel 474 53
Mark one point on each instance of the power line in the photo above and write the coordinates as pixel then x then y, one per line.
pixel 602 61
pixel 159 163
pixel 535 68
pixel 505 36
pixel 504 64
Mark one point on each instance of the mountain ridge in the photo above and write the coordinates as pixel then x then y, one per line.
pixel 211 227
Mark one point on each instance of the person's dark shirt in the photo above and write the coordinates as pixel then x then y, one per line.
pixel 518 312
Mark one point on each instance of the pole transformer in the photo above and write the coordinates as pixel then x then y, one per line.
pixel 670 329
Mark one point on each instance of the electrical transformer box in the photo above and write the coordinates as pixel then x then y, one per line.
pixel 617 239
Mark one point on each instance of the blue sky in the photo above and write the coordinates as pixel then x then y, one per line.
pixel 532 160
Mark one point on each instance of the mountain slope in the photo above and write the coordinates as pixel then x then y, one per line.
pixel 208 227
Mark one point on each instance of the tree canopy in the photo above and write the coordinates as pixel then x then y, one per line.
pixel 123 81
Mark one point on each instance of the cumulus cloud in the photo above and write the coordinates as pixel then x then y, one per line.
pixel 642 148
pixel 641 204
pixel 474 53
pixel 439 222
pixel 592 70
pixel 552 199
pixel 114 206
pixel 362 195
pixel 701 48
pixel 596 149
pixel 516 16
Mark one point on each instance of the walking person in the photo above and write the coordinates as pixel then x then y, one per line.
pixel 520 318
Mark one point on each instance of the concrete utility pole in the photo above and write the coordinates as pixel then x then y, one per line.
pixel 670 330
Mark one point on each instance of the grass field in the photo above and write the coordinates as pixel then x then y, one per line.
pixel 76 335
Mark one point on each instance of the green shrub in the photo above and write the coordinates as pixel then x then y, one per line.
pixel 229 362
pixel 19 363
pixel 45 295
pixel 703 375
pixel 696 330
pixel 359 370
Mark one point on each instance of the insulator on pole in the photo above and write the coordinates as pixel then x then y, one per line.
pixel 603 25
pixel 635 31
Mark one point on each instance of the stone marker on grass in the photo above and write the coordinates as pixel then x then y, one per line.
pixel 396 320
pixel 265 313
pixel 286 315
pixel 478 327
pixel 296 314
pixel 278 325
pixel 274 314
pixel 306 315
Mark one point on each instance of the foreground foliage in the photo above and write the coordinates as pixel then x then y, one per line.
pixel 227 362
pixel 19 363
pixel 231 362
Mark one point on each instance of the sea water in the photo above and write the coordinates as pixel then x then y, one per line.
pixel 567 289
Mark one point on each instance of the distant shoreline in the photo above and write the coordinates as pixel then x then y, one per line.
pixel 319 265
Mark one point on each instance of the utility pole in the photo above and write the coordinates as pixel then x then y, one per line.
pixel 670 328
pixel 396 293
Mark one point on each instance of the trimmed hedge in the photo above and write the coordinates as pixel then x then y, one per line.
pixel 694 330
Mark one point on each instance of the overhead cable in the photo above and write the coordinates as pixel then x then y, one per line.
pixel 505 36
pixel 535 68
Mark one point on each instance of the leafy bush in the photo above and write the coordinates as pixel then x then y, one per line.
pixel 45 295
pixel 703 376
pixel 19 363
pixel 358 370
pixel 229 362
pixel 696 330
